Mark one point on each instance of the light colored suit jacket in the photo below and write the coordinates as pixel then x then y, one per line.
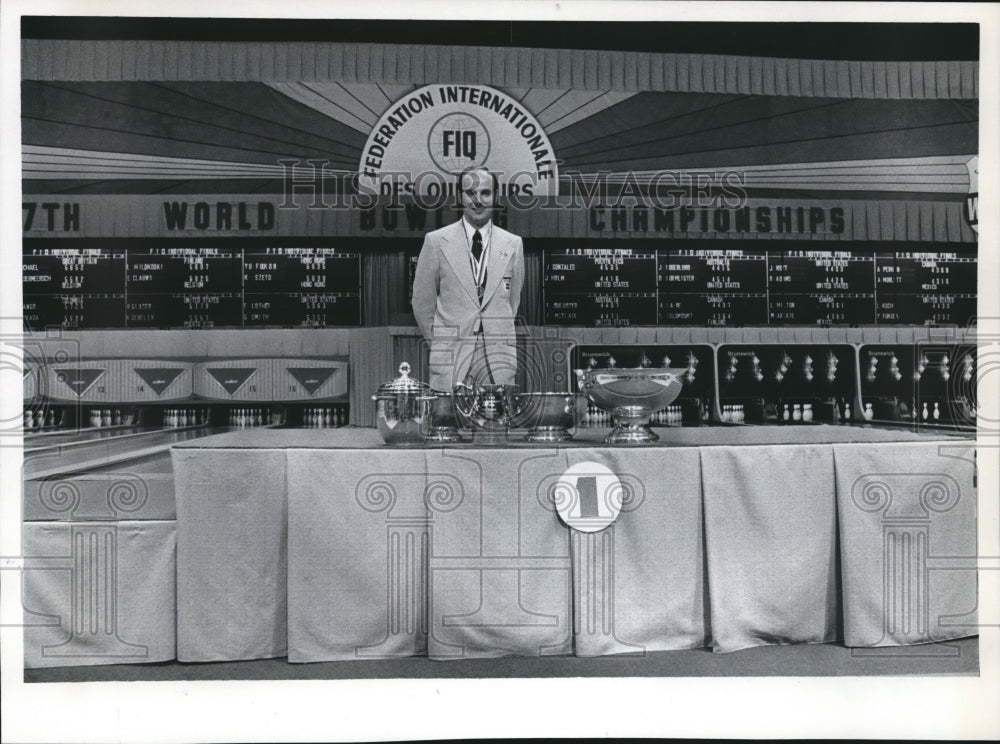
pixel 447 307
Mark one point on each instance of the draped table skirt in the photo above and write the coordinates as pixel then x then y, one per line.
pixel 328 545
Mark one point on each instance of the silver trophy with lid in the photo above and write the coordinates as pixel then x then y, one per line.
pixel 403 409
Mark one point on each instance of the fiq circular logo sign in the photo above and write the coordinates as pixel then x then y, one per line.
pixel 423 140
pixel 457 142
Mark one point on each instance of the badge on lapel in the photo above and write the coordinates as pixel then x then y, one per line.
pixel 506 283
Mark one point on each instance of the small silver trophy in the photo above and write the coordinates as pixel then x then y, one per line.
pixel 547 416
pixel 487 409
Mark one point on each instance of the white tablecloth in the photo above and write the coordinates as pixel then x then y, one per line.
pixel 455 552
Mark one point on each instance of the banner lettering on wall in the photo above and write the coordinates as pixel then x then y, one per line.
pixel 232 215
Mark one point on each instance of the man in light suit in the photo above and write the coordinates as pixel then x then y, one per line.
pixel 467 289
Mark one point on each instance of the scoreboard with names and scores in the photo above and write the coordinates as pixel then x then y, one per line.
pixel 600 287
pixel 302 287
pixel 184 287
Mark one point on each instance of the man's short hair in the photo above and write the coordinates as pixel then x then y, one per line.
pixel 474 169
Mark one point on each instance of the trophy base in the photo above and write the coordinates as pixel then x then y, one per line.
pixel 444 434
pixel 489 437
pixel 631 433
pixel 548 434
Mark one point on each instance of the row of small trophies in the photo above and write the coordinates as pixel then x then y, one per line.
pixel 105 417
pixel 40 418
pixel 246 417
pixel 926 412
pixel 733 413
pixel 312 418
pixel 800 413
pixel 928 415
pixel 324 418
pixel 176 418
pixel 597 417
pixel 780 412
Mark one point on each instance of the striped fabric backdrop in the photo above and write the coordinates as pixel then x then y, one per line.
pixel 543 68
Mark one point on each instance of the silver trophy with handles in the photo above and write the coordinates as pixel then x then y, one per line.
pixel 631 395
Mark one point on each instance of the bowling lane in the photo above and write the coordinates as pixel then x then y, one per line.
pixel 158 463
pixel 144 485
pixel 34 442
pixel 96 453
pixel 137 434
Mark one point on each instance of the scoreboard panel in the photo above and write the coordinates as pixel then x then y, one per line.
pixel 829 287
pixel 918 287
pixel 191 287
pixel 599 287
pixel 301 287
pixel 593 283
pixel 73 288
pixel 785 285
pixel 712 287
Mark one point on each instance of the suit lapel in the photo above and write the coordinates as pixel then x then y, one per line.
pixel 456 252
pixel 500 252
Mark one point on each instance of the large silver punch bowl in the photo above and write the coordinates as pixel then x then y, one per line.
pixel 631 395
